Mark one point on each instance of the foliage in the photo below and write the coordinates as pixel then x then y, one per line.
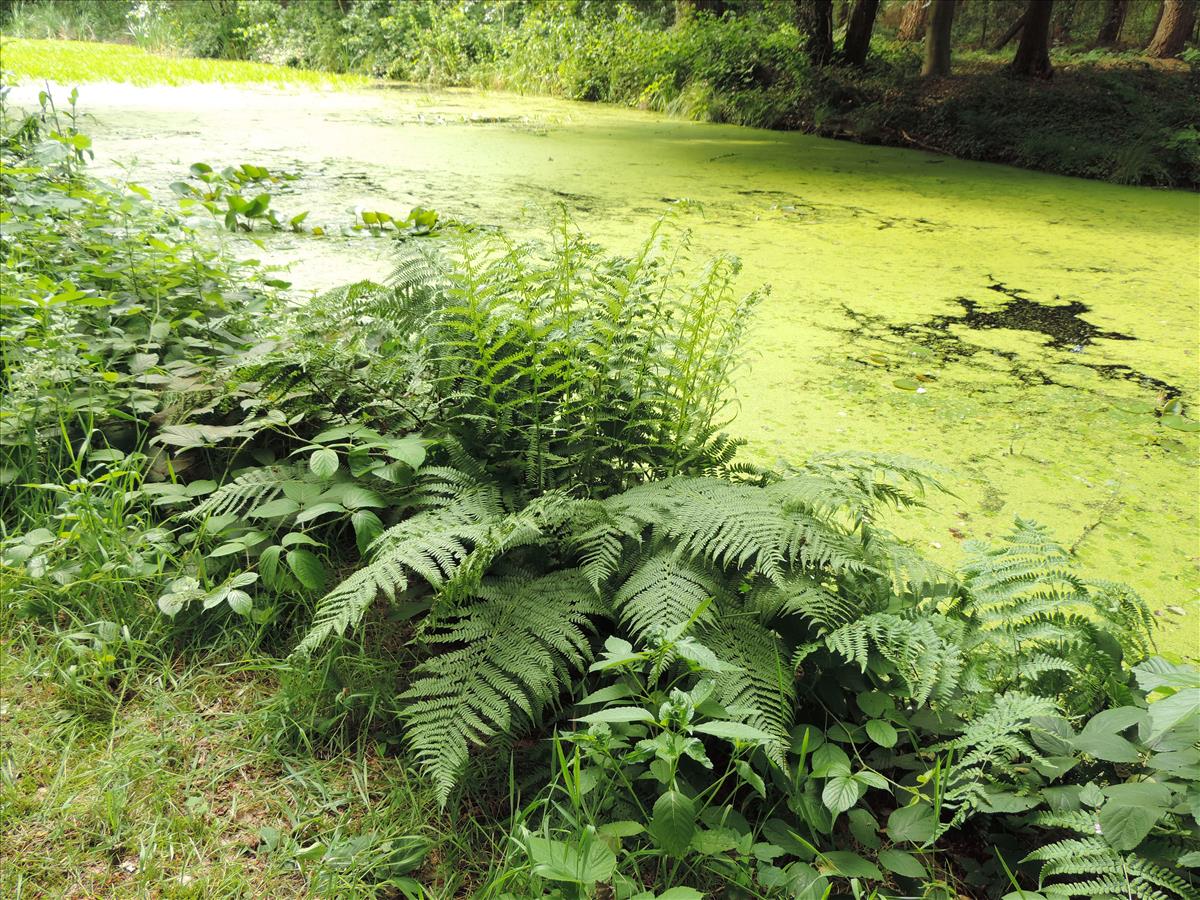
pixel 495 489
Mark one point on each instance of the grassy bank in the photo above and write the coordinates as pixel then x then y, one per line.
pixel 80 62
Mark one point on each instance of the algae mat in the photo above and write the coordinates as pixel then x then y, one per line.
pixel 1035 335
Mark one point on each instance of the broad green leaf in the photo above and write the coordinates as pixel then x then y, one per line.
pixel 275 508
pixel 902 864
pixel 875 703
pixel 750 777
pixel 618 714
pixel 1124 827
pixel 711 841
pixel 303 492
pixel 308 569
pixel 864 827
pixel 367 527
pixel 1180 423
pixel 734 731
pixel 849 865
pixel 871 779
pixel 1113 721
pixel 591 861
pixel 622 829
pixel 607 694
pixel 841 792
pixel 1110 747
pixel 239 602
pixel 323 462
pixel 882 733
pixel 673 822
pixel 320 509
pixel 1091 795
pixel 292 538
pixel 829 759
pixel 915 824
pixel 1181 707
pixel 409 450
pixel 268 565
pixel 680 893
pixel 357 497
pixel 227 549
pixel 1139 793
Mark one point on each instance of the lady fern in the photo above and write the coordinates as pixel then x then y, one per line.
pixel 495 665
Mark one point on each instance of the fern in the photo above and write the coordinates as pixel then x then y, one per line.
pixel 662 593
pixel 928 665
pixel 496 664
pixel 758 688
pixel 990 748
pixel 250 489
pixel 1038 625
pixel 1106 868
pixel 433 545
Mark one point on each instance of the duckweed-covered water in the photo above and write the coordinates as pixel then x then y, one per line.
pixel 1035 335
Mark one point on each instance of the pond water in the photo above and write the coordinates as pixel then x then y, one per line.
pixel 1017 328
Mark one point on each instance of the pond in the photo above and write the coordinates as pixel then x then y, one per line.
pixel 1035 335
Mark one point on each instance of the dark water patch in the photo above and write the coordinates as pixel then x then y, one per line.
pixel 1061 325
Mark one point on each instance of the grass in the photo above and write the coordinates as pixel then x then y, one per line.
pixel 79 62
pixel 180 790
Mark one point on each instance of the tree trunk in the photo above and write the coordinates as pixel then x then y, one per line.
pixel 1114 18
pixel 912 21
pixel 1033 53
pixel 1174 27
pixel 937 38
pixel 1013 31
pixel 815 20
pixel 858 32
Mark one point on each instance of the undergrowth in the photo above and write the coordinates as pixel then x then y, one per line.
pixel 477 536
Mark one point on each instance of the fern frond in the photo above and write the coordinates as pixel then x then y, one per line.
pixel 500 660
pixel 250 489
pixel 432 545
pixel 662 592
pixel 928 665
pixel 759 689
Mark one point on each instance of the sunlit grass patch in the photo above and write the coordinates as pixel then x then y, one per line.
pixel 180 792
pixel 76 62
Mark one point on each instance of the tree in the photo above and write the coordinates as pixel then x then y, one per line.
pixel 1114 18
pixel 1033 53
pixel 937 38
pixel 1013 30
pixel 858 32
pixel 1175 23
pixel 815 20
pixel 912 20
